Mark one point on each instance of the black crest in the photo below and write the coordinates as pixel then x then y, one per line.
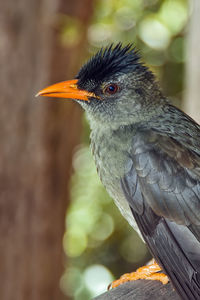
pixel 109 61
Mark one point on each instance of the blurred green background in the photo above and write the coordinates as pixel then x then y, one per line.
pixel 99 243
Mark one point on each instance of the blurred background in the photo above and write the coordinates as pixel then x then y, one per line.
pixel 61 235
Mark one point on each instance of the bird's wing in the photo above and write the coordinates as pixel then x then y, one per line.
pixel 162 187
pixel 168 175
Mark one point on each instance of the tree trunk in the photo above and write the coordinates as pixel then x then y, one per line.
pixel 192 98
pixel 37 142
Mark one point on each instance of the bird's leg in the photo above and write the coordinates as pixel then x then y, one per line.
pixel 149 272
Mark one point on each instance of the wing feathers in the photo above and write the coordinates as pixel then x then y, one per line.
pixel 170 188
pixel 163 191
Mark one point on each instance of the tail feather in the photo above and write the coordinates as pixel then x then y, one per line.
pixel 176 249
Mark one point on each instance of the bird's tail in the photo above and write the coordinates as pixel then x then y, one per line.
pixel 176 249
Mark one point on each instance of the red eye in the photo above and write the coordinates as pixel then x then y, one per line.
pixel 111 89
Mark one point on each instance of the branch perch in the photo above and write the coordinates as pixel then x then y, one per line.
pixel 141 290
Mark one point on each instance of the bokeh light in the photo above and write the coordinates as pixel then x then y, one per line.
pixel 97 278
pixel 174 14
pixel 154 33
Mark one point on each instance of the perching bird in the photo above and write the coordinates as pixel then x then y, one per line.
pixel 147 154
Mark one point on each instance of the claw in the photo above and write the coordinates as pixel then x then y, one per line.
pixel 149 272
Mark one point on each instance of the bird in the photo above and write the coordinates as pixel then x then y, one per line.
pixel 147 155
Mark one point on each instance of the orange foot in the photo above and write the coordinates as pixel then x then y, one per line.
pixel 148 272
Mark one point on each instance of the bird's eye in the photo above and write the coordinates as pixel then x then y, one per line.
pixel 111 89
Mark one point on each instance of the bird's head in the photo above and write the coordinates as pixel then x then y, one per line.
pixel 114 87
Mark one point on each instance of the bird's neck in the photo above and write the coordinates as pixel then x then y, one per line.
pixel 107 143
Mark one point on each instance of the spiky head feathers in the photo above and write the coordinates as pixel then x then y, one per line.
pixel 110 61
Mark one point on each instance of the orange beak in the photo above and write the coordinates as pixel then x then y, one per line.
pixel 66 89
